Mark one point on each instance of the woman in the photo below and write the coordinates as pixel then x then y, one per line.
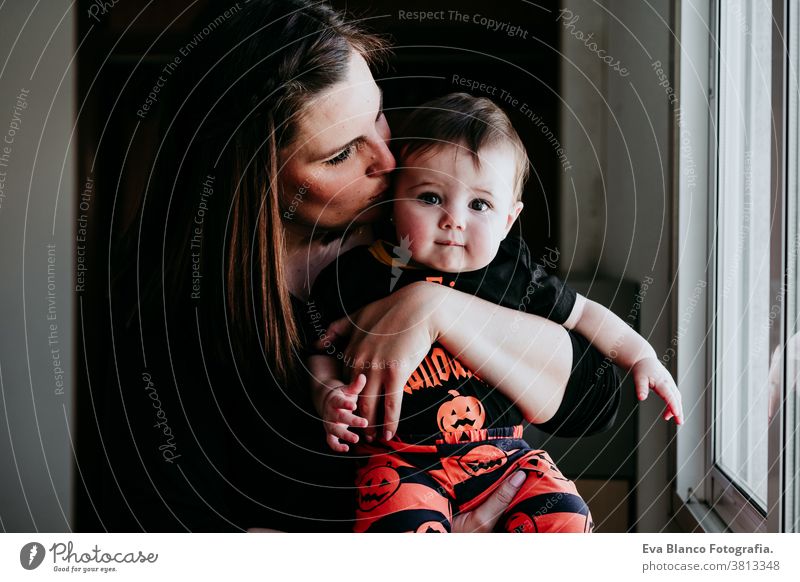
pixel 276 160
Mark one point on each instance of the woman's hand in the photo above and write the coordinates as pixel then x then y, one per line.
pixel 387 340
pixel 483 518
pixel 527 357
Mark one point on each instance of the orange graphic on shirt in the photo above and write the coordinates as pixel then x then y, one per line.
pixel 461 414
pixel 437 367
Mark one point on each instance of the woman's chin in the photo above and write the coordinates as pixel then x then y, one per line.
pixel 372 213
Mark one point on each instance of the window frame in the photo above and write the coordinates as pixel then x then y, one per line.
pixel 714 502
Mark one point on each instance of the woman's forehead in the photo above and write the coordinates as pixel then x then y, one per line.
pixel 340 114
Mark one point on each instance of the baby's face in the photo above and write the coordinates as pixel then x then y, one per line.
pixel 453 212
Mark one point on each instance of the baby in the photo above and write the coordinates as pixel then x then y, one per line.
pixel 457 194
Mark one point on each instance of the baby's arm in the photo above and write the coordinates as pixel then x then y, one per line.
pixel 335 401
pixel 626 348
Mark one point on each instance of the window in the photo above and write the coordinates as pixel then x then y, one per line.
pixel 792 351
pixel 744 215
pixel 737 457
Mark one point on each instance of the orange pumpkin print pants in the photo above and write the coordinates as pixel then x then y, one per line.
pixel 403 487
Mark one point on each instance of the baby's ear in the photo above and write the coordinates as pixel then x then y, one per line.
pixel 512 215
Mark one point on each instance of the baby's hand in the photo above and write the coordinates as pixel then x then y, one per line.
pixel 651 373
pixel 337 414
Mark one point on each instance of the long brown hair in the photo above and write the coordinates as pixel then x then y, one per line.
pixel 233 106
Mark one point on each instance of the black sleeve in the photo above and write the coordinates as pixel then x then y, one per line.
pixel 547 295
pixel 514 280
pixel 592 396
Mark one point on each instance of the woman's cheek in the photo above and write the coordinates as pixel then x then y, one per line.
pixel 338 187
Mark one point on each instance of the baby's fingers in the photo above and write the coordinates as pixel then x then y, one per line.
pixel 341 431
pixel 346 417
pixel 338 399
pixel 667 390
pixel 333 442
pixel 356 386
pixel 642 383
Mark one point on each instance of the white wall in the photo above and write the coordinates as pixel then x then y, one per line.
pixel 621 212
pixel 35 211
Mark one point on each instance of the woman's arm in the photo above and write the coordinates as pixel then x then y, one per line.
pixel 527 357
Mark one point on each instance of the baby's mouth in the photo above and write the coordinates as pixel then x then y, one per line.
pixel 449 243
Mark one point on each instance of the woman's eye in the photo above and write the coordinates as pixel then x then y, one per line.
pixel 340 157
pixel 429 198
pixel 480 205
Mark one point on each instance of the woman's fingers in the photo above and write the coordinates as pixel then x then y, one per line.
pixel 483 518
pixel 392 401
pixel 368 404
pixel 341 328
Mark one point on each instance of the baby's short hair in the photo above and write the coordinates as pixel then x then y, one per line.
pixel 461 119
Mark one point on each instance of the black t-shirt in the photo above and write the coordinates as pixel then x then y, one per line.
pixel 205 441
pixel 442 394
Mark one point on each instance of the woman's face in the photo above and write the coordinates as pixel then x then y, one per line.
pixel 336 171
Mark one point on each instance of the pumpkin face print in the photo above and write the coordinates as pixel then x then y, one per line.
pixel 460 414
pixel 376 486
pixel 520 523
pixel 431 527
pixel 541 464
pixel 482 459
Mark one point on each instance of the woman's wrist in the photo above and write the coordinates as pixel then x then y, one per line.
pixel 433 300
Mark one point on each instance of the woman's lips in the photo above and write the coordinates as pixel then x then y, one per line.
pixel 381 193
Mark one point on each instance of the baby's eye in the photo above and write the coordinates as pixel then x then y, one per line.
pixel 480 205
pixel 341 156
pixel 429 198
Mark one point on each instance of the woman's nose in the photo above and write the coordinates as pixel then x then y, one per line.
pixel 383 161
